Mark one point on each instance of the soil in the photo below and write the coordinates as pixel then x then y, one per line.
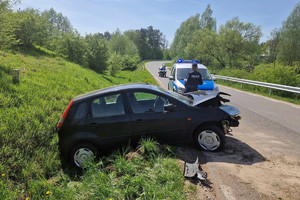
pixel 242 172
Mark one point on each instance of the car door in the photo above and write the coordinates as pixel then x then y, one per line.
pixel 150 119
pixel 108 120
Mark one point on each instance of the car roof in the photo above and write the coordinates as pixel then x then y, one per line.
pixel 116 88
pixel 188 65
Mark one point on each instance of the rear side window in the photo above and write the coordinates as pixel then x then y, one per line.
pixel 81 111
pixel 107 106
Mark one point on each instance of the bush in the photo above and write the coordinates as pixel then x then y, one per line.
pixel 114 64
pixel 129 63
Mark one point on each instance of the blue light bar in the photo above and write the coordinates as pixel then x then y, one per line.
pixel 187 61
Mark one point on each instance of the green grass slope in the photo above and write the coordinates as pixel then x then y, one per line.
pixel 29 156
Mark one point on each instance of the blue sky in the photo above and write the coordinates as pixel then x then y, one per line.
pixel 90 16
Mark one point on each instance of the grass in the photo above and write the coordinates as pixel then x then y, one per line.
pixel 169 65
pixel 29 158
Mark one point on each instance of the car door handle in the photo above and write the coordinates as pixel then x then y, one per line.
pixel 93 124
pixel 139 120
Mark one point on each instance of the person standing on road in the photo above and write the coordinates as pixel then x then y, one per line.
pixel 194 79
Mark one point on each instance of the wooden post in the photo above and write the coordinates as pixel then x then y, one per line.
pixel 16 74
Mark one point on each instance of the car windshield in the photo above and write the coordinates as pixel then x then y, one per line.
pixel 177 96
pixel 183 72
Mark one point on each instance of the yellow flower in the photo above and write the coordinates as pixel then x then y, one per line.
pixel 27 198
pixel 110 199
pixel 2 175
pixel 48 192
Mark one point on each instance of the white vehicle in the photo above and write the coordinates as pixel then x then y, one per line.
pixel 182 68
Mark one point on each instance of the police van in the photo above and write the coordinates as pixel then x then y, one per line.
pixel 181 69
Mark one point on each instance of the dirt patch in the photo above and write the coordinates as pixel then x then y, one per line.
pixel 241 172
pixel 196 189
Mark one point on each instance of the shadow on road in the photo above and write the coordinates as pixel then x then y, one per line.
pixel 235 152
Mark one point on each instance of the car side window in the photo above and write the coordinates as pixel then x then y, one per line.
pixel 81 111
pixel 145 102
pixel 107 106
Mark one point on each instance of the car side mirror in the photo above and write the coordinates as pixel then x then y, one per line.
pixel 172 78
pixel 169 107
pixel 214 78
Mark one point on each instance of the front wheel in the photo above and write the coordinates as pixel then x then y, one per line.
pixel 82 154
pixel 209 138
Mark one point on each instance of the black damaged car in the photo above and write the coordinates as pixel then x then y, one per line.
pixel 108 117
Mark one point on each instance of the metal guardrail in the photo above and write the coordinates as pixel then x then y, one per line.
pixel 261 84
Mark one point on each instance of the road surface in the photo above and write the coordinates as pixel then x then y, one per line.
pixel 261 159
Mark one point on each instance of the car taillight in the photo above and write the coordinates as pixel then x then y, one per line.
pixel 63 117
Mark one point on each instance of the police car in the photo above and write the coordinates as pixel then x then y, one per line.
pixel 181 69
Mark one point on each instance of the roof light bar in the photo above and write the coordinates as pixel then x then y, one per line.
pixel 187 61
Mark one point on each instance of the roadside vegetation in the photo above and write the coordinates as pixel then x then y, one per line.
pixel 56 64
pixel 99 51
pixel 30 109
pixel 234 49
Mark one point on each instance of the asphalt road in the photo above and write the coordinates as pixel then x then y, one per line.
pixel 269 130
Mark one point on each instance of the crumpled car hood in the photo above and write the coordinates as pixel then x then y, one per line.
pixel 202 96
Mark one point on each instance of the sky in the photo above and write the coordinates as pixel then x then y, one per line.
pixel 91 16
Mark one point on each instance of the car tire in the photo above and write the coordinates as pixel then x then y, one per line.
pixel 82 153
pixel 209 138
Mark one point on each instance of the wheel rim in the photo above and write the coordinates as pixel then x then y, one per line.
pixel 209 140
pixel 82 156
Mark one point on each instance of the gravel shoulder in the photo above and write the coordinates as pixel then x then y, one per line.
pixel 261 159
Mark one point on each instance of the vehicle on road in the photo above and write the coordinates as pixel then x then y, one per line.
pixel 112 116
pixel 181 69
pixel 162 72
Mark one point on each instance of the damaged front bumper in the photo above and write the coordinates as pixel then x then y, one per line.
pixel 232 120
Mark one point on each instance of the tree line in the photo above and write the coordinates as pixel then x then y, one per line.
pixel 235 44
pixel 99 51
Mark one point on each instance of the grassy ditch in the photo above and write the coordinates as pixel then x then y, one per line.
pixel 149 171
pixel 29 110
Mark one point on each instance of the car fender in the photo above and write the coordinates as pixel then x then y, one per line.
pixel 76 138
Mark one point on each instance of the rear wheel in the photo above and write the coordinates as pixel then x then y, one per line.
pixel 83 154
pixel 209 138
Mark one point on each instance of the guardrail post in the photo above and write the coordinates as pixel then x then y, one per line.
pixel 271 90
pixel 242 85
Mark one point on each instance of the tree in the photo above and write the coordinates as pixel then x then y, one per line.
pixel 240 42
pixel 235 45
pixel 122 45
pixel 8 24
pixel 205 46
pixel 59 22
pixel 31 28
pixel 207 21
pixel 271 47
pixel 289 45
pixel 97 55
pixel 183 35
pixel 150 43
pixel 74 47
